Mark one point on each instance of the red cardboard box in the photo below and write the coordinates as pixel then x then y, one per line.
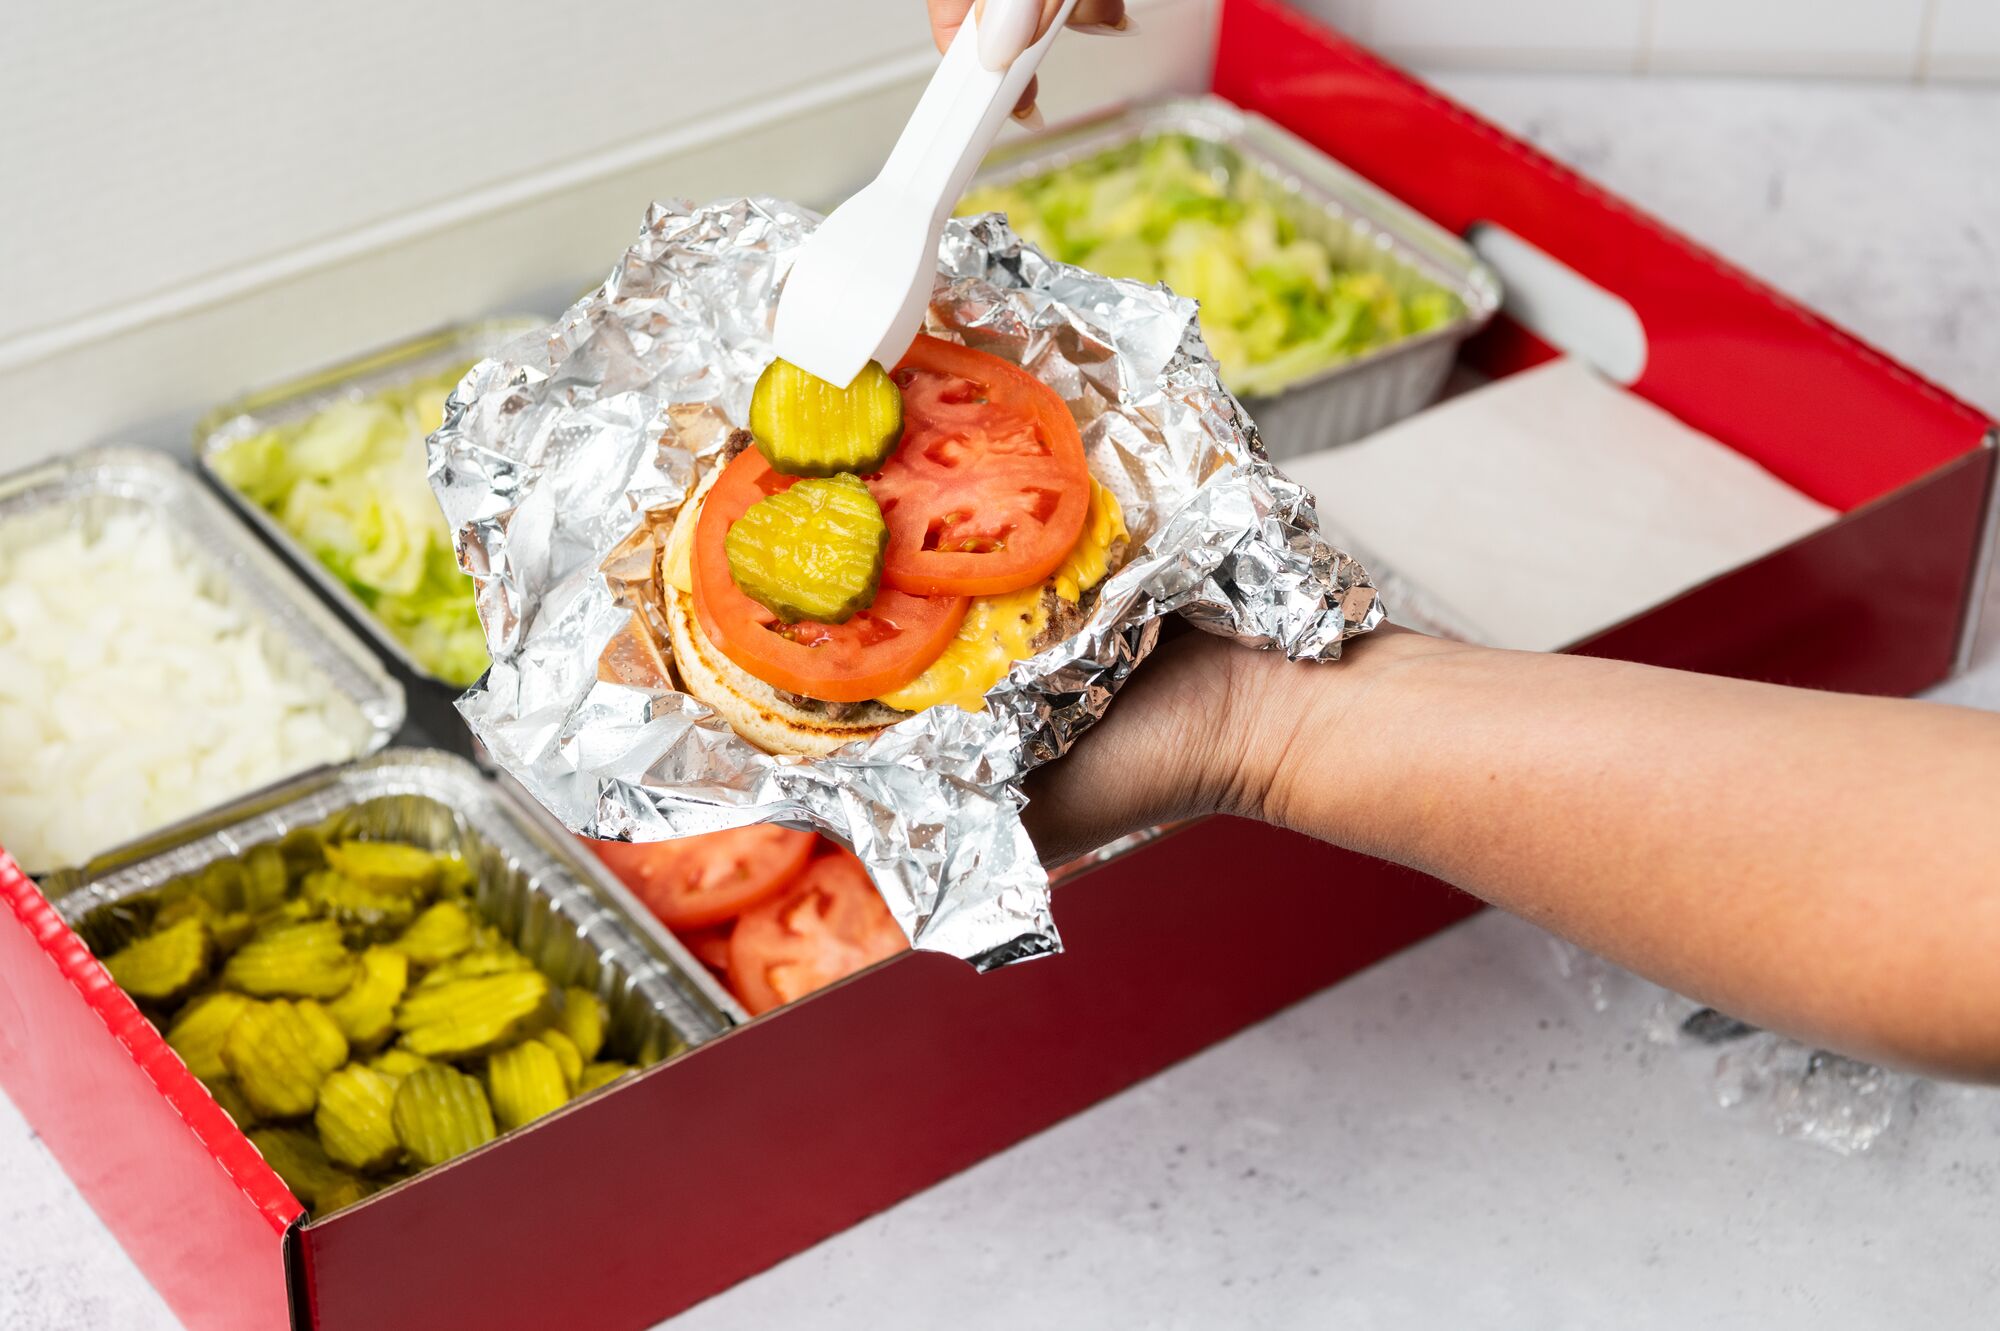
pixel 626 1208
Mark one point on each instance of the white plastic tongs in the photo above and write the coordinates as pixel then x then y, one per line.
pixel 860 285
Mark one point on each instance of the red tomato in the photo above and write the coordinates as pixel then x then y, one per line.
pixel 988 491
pixel 876 652
pixel 830 924
pixel 702 880
pixel 710 946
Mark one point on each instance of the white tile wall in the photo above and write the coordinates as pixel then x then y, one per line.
pixel 1964 40
pixel 1867 37
pixel 1571 34
pixel 1900 39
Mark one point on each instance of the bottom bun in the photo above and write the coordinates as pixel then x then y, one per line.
pixel 753 709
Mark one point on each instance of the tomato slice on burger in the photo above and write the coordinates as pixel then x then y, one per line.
pixel 988 491
pixel 876 652
pixel 697 881
pixel 830 924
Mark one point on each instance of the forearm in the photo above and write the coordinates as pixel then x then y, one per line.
pixel 1828 865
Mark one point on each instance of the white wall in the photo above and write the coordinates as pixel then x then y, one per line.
pixel 1898 39
pixel 207 196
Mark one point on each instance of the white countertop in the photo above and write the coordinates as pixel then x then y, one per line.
pixel 1458 1137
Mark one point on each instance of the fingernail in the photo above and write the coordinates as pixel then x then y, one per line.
pixel 1031 119
pixel 1124 26
pixel 1006 28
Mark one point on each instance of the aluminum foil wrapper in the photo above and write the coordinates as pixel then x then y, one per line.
pixel 563 459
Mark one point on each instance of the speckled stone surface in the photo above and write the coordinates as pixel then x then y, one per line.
pixel 1459 1137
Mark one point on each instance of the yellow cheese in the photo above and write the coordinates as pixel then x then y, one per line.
pixel 1000 630
pixel 1103 527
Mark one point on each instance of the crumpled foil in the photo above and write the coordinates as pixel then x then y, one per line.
pixel 563 459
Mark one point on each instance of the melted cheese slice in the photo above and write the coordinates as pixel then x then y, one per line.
pixel 1000 630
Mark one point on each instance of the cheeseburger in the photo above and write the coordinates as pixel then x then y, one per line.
pixel 867 552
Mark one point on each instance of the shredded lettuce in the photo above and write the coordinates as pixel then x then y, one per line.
pixel 1275 304
pixel 350 483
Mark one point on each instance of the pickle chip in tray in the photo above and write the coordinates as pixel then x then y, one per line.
pixel 408 970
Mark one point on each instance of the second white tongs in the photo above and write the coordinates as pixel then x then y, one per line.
pixel 859 287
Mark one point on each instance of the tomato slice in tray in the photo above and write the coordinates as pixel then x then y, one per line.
pixel 710 946
pixel 988 491
pixel 830 924
pixel 876 652
pixel 697 881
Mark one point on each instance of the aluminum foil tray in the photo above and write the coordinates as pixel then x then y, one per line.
pixel 304 637
pixel 282 404
pixel 540 887
pixel 1363 227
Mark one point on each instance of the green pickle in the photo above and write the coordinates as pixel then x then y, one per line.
pixel 811 551
pixel 805 426
pixel 230 1097
pixel 525 1082
pixel 366 1013
pixel 299 1159
pixel 198 1032
pixel 365 912
pixel 397 1064
pixel 163 965
pixel 303 959
pixel 385 866
pixel 353 1118
pixel 322 987
pixel 266 879
pixel 439 934
pixel 600 1074
pixel 568 1057
pixel 439 1112
pixel 465 1017
pixel 583 1020
pixel 280 1052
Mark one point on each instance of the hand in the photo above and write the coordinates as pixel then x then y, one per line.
pixel 1091 16
pixel 1206 726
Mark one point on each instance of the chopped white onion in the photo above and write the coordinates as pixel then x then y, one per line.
pixel 132 694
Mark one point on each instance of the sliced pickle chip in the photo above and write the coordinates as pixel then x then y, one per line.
pixel 526 1081
pixel 439 934
pixel 298 959
pixel 469 1016
pixel 600 1074
pixel 456 876
pixel 497 959
pixel 366 1013
pixel 342 1190
pixel 813 551
pixel 440 1112
pixel 230 1097
pixel 162 965
pixel 385 866
pixel 226 929
pixel 805 426
pixel 279 1053
pixel 197 1033
pixel 219 884
pixel 568 1056
pixel 353 1118
pixel 179 906
pixel 365 912
pixel 307 1170
pixel 304 850
pixel 397 1064
pixel 265 878
pixel 583 1020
